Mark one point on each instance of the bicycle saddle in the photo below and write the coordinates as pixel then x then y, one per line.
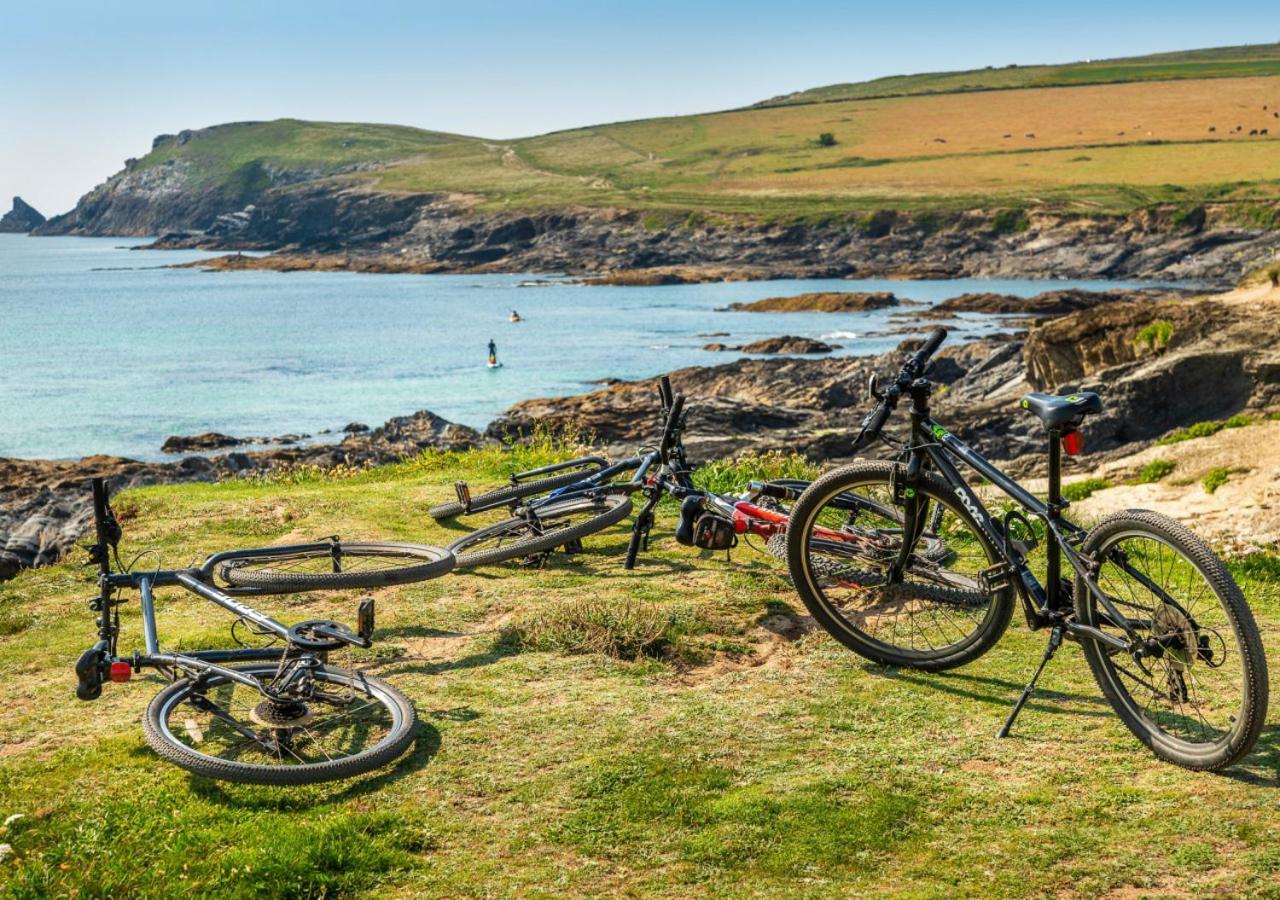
pixel 1055 411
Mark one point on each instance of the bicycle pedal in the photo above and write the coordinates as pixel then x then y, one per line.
pixel 463 490
pixel 365 618
pixel 995 578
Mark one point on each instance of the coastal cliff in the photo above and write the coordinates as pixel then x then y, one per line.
pixel 392 199
pixel 21 219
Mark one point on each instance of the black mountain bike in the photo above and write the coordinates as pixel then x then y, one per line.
pixel 1165 629
pixel 271 711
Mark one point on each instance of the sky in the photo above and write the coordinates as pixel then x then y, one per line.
pixel 84 85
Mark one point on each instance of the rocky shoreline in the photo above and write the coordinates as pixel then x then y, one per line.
pixel 1159 364
pixel 615 247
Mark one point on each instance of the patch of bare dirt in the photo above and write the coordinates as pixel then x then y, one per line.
pixel 1242 514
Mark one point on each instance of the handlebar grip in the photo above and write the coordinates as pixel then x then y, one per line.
pixel 673 421
pixel 872 425
pixel 931 345
pixel 664 391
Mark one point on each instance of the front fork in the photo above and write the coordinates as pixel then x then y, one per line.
pixel 915 513
pixel 643 525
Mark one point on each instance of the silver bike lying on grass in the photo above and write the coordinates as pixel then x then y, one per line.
pixel 1165 629
pixel 275 714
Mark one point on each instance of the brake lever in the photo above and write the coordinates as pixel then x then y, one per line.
pixel 872 384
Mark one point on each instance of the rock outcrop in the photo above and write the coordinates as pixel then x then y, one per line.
pixel 788 343
pixel 196 443
pixel 1218 361
pixel 45 505
pixel 825 301
pixel 21 219
pixel 334 220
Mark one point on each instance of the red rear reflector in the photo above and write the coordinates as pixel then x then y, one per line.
pixel 1073 442
pixel 121 671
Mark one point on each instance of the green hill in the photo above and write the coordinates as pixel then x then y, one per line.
pixel 1097 137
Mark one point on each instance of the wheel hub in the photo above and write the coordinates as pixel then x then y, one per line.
pixel 274 714
pixel 1175 633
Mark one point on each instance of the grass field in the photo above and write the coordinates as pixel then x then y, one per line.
pixel 1059 141
pixel 753 758
pixel 1214 62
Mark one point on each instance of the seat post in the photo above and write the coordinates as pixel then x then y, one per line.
pixel 1053 567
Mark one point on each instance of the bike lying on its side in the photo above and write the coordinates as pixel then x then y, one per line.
pixel 708 520
pixel 522 484
pixel 274 714
pixel 1165 629
pixel 589 504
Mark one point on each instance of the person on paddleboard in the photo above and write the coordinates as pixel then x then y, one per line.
pixel 515 316
pixel 493 353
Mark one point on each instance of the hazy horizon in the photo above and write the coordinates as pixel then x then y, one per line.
pixel 89 85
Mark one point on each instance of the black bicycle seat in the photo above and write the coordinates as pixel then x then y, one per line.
pixel 1055 411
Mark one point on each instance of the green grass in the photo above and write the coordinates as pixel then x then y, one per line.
pixel 1205 429
pixel 1221 62
pixel 731 476
pixel 1155 335
pixel 1080 490
pixel 768 762
pixel 1216 478
pixel 1155 471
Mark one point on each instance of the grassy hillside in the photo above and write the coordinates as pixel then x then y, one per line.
pixel 748 757
pixel 1214 62
pixel 1091 147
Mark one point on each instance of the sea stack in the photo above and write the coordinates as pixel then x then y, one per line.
pixel 21 219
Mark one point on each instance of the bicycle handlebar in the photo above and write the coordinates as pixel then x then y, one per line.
pixel 664 391
pixel 672 425
pixel 912 369
pixel 931 345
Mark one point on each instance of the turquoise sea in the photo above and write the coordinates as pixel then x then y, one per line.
pixel 104 350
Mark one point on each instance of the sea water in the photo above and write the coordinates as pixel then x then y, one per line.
pixel 106 349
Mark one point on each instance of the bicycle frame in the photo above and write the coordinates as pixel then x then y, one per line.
pixel 199 581
pixel 1044 604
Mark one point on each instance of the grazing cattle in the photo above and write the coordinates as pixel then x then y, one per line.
pixel 1262 131
pixel 1006 135
pixel 1119 134
pixel 939 140
pixel 1253 132
pixel 1030 134
pixel 1212 129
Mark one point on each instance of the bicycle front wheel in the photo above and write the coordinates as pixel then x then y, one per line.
pixel 844 537
pixel 1197 695
pixel 336 566
pixel 539 531
pixel 349 723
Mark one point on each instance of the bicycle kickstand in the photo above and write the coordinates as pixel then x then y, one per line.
pixel 1055 641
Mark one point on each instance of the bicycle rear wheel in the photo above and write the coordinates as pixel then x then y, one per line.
pixel 939 614
pixel 217 727
pixel 1197 696
pixel 336 566
pixel 540 531
pixel 504 495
